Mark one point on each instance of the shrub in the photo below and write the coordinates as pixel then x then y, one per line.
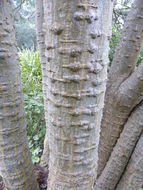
pixel 33 98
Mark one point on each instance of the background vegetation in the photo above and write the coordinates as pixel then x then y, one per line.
pixel 32 89
pixel 24 16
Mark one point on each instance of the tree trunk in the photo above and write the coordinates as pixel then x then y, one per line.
pixel 77 43
pixel 122 152
pixel 41 45
pixel 124 87
pixel 133 176
pixel 15 160
pixel 122 118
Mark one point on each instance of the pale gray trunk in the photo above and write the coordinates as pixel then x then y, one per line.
pixel 77 43
pixel 124 87
pixel 15 160
pixel 41 44
pixel 122 152
pixel 133 176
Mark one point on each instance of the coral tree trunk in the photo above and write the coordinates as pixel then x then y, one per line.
pixel 15 161
pixel 77 43
pixel 133 176
pixel 41 45
pixel 122 152
pixel 124 87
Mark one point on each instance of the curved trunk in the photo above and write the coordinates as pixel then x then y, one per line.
pixel 122 151
pixel 77 43
pixel 133 176
pixel 41 45
pixel 15 160
pixel 117 110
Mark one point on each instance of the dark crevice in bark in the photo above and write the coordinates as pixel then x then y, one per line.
pixel 41 177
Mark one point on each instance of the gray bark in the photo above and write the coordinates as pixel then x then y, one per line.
pixel 122 96
pixel 77 43
pixel 131 91
pixel 41 45
pixel 15 160
pixel 133 176
pixel 72 78
pixel 122 152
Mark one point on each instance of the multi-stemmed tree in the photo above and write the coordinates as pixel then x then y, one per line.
pixel 123 103
pixel 73 39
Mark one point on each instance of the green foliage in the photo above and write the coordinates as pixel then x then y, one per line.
pixel 140 57
pixel 25 35
pixel 24 16
pixel 32 89
pixel 113 42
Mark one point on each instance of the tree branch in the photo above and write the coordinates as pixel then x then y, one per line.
pixel 18 7
pixel 122 151
pixel 41 46
pixel 133 176
pixel 131 91
pixel 115 112
pixel 128 49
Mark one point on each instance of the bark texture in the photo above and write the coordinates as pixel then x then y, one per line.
pixel 15 160
pixel 122 94
pixel 133 176
pixel 122 152
pixel 77 43
pixel 41 44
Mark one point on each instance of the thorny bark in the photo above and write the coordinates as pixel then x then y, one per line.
pixel 41 45
pixel 15 160
pixel 124 89
pixel 77 40
pixel 119 88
